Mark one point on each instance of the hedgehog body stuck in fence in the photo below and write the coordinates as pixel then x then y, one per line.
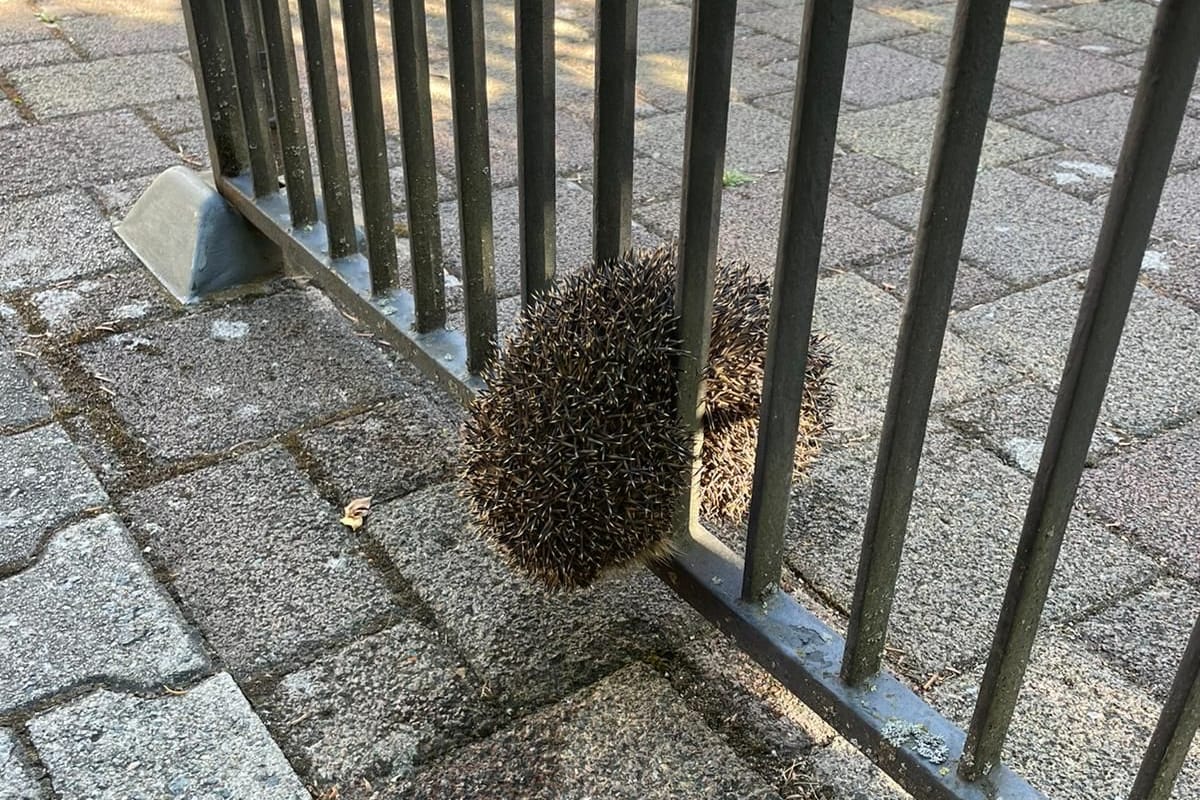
pixel 574 459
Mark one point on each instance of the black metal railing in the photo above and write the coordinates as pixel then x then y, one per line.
pixel 251 111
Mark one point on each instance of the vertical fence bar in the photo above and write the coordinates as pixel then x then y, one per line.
pixel 285 85
pixel 823 46
pixel 535 143
pixel 966 96
pixel 411 53
pixel 327 126
pixel 252 90
pixel 1175 730
pixel 366 104
pixel 468 79
pixel 711 63
pixel 1154 126
pixel 612 170
pixel 208 40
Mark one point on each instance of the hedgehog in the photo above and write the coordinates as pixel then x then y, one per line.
pixel 574 459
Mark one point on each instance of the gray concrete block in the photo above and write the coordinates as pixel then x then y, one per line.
pixel 17 780
pixel 78 152
pixel 756 140
pixel 43 482
pixel 203 383
pixel 1151 384
pixel 877 75
pixel 1150 492
pixel 37 250
pixel 114 300
pixel 259 559
pixel 376 709
pixel 903 134
pixel 581 748
pixel 864 179
pixel 23 402
pixel 972 285
pixel 528 646
pixel 89 610
pixel 1019 230
pixel 35 54
pixel 1070 171
pixel 966 517
pixel 103 36
pixel 1123 19
pixel 101 85
pixel 1038 67
pixel 206 742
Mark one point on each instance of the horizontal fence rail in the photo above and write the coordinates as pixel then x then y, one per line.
pixel 352 255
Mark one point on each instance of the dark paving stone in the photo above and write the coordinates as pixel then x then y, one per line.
pixel 1151 385
pixel 35 54
pixel 1147 633
pixel 864 179
pixel 580 748
pixel 101 85
pixel 377 708
pixel 1039 68
pixel 1150 491
pixel 206 742
pixel 203 383
pixel 259 559
pixel 530 647
pixel 43 482
pixel 1019 230
pixel 1121 18
pixel 877 75
pixel 89 610
pixel 972 286
pixel 1070 171
pixel 36 249
pixel 103 36
pixel 962 534
pixel 23 402
pixel 79 152
pixel 112 301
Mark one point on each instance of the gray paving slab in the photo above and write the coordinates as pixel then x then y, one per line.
pixel 1146 633
pixel 528 646
pixel 865 26
pixel 23 403
pixel 1022 24
pixel 259 560
pixel 9 116
pixel 203 383
pixel 1080 728
pixel 100 85
pixel 103 304
pixel 581 748
pixel 662 78
pixel 103 36
pixel 377 709
pixel 763 48
pixel 206 742
pixel 20 23
pixel 664 28
pixel 1150 491
pixel 117 198
pixel 1039 68
pixel 37 249
pixel 17 779
pixel 930 45
pixel 1096 126
pixel 966 517
pixel 877 75
pixel 1070 171
pixel 174 116
pixel 972 285
pixel 43 482
pixel 756 140
pixel 35 54
pixel 1178 214
pixel 1123 19
pixel 1008 102
pixel 864 179
pixel 89 610
pixel 1150 385
pixel 1020 230
pixel 1174 269
pixel 1101 44
pixel 903 134
pixel 844 773
pixel 79 152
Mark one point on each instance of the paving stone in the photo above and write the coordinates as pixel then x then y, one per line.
pixel 103 36
pixel 929 45
pixel 1096 126
pixel 89 610
pixel 78 153
pixel 1121 18
pixel 100 85
pixel 206 382
pixel 1019 230
pixel 17 780
pixel 175 116
pixel 1038 67
pixel 23 403
pixel 662 79
pixel 865 26
pixel 259 559
pixel 8 114
pixel 118 197
pixel 966 518
pixel 1008 102
pixel 1080 728
pixel 903 134
pixel 393 449
pixel 1178 214
pixel 20 23
pixel 36 250
pixel 864 179
pixel 1091 41
pixel 580 748
pixel 1150 491
pixel 1147 633
pixel 762 48
pixel 377 708
pixel 204 743
pixel 877 75
pixel 1150 385
pixel 529 646
pixel 756 140
pixel 572 150
pixel 1021 24
pixel 1174 268
pixel 662 29
pixel 1070 171
pixel 34 54
pixel 972 286
pixel 843 773
pixel 43 482
pixel 115 300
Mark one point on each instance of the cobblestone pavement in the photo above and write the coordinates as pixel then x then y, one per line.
pixel 182 615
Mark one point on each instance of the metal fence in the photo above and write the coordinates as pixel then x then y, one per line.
pixel 257 129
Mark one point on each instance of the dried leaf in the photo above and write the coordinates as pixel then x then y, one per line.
pixel 354 512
